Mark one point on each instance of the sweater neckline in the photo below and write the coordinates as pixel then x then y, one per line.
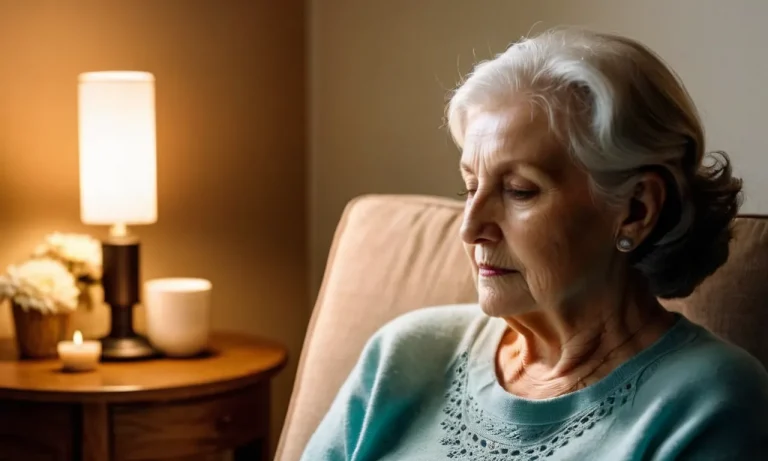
pixel 494 400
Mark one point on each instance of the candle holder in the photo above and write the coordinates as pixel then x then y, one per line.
pixel 78 355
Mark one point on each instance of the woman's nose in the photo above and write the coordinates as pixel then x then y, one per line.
pixel 480 224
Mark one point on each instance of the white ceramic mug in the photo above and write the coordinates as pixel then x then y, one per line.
pixel 178 313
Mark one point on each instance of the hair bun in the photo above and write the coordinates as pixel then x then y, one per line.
pixel 676 268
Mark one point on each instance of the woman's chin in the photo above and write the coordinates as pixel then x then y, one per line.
pixel 497 305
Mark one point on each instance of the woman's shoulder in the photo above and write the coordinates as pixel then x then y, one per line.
pixel 427 339
pixel 444 319
pixel 719 361
pixel 433 326
pixel 710 368
pixel 706 396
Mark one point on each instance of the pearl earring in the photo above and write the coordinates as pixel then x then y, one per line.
pixel 625 244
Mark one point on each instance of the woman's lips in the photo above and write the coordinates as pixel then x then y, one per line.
pixel 493 271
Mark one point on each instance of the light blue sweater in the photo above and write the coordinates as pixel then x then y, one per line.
pixel 425 389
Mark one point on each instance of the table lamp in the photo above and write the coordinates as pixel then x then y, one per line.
pixel 118 188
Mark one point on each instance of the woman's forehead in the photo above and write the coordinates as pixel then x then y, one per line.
pixel 519 133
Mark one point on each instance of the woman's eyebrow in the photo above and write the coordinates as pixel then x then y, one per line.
pixel 511 165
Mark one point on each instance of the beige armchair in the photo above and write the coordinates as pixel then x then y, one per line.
pixel 393 254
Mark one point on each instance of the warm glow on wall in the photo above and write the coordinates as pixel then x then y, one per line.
pixel 118 157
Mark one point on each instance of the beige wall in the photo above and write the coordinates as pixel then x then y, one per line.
pixel 231 156
pixel 380 71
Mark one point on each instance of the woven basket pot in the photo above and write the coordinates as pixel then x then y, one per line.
pixel 38 334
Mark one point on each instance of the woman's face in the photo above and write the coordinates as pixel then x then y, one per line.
pixel 536 236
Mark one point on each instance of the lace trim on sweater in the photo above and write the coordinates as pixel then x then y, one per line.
pixel 472 434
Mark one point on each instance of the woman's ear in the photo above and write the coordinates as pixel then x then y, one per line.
pixel 641 212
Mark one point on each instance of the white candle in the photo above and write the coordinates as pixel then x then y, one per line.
pixel 79 355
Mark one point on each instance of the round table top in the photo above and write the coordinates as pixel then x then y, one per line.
pixel 234 361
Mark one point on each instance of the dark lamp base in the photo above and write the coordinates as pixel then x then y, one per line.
pixel 121 292
pixel 130 348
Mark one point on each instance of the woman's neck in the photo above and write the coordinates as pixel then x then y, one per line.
pixel 561 349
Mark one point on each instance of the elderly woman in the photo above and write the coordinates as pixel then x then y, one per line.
pixel 588 197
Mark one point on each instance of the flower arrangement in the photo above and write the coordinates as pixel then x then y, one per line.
pixel 48 287
pixel 57 277
pixel 80 253
pixel 41 284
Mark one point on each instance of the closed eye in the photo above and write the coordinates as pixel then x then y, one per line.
pixel 467 193
pixel 516 194
pixel 521 194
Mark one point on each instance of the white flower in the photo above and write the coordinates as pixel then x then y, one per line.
pixel 80 252
pixel 42 284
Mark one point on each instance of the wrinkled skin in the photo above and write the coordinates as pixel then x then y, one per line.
pixel 544 252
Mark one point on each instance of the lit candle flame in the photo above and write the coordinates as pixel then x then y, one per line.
pixel 78 337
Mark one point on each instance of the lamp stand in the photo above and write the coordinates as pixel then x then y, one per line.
pixel 120 255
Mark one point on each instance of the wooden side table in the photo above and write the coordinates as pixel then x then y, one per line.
pixel 159 409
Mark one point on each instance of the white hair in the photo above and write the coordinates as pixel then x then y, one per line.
pixel 620 111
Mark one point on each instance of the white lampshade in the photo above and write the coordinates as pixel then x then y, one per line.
pixel 118 154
